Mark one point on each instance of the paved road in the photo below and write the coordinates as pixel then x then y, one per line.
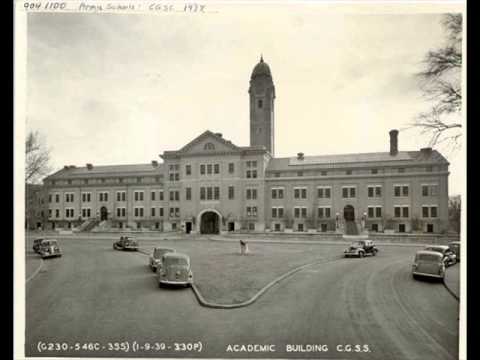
pixel 95 294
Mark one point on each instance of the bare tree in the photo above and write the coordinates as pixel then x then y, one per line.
pixel 441 84
pixel 454 212
pixel 37 158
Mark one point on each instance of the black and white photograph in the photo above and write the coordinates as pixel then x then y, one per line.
pixel 223 180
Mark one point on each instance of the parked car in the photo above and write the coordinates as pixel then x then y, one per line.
pixel 49 248
pixel 126 243
pixel 428 263
pixel 455 247
pixel 175 270
pixel 36 244
pixel 155 259
pixel 361 248
pixel 448 255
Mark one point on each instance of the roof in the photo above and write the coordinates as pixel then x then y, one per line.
pixel 126 170
pixel 341 160
pixel 260 69
pixel 437 246
pixel 428 252
pixel 177 255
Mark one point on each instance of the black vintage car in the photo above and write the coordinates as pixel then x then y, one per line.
pixel 49 248
pixel 126 243
pixel 361 248
pixel 36 245
pixel 449 257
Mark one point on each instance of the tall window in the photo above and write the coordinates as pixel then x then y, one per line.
pixel 138 195
pixel 429 190
pixel 349 192
pixel 251 194
pixel 401 211
pixel 374 211
pixel 188 169
pixel 121 195
pixel 188 193
pixel 324 192
pixel 231 168
pixel 400 190
pixel 300 193
pixel 231 192
pixel 429 211
pixel 277 193
pixel 374 191
pixel 324 212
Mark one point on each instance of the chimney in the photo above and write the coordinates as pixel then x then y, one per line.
pixel 393 142
pixel 154 163
pixel 426 151
pixel 300 156
pixel 89 166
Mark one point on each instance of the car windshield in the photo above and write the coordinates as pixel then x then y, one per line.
pixel 49 243
pixel 176 261
pixel 358 243
pixel 438 249
pixel 428 257
pixel 159 252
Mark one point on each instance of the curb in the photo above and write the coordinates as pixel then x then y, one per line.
pixel 208 304
pixel 35 272
pixel 450 290
pixel 205 303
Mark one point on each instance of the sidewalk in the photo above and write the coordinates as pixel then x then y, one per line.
pixel 452 280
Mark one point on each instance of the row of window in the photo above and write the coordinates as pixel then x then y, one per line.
pixel 276 193
pixel 210 169
pixel 428 211
pixel 351 172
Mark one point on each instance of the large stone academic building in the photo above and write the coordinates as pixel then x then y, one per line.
pixel 211 185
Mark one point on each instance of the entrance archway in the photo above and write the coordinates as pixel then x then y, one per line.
pixel 103 213
pixel 209 223
pixel 349 213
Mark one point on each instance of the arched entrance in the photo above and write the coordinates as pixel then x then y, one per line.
pixel 103 213
pixel 209 222
pixel 349 213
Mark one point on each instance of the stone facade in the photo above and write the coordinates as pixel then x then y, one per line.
pixel 212 185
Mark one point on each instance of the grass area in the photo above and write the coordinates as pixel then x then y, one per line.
pixel 224 276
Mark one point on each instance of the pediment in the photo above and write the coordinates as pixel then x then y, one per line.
pixel 208 142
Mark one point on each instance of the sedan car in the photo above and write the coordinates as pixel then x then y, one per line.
pixel 455 247
pixel 361 248
pixel 428 263
pixel 36 244
pixel 175 270
pixel 448 255
pixel 155 259
pixel 126 243
pixel 49 248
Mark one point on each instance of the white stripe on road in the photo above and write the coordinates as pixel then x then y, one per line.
pixel 35 272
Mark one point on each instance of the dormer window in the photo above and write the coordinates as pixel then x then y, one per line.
pixel 209 146
pixel 260 104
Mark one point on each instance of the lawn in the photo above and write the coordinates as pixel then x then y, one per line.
pixel 224 276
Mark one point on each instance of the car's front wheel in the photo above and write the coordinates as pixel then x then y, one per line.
pixel 360 254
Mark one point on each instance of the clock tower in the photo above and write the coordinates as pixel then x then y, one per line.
pixel 262 100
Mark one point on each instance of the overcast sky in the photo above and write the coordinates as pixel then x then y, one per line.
pixel 121 89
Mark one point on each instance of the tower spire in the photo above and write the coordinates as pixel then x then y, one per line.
pixel 261 57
